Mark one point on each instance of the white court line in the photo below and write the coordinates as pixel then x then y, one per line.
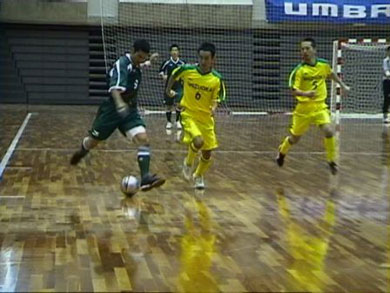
pixel 185 151
pixel 13 144
pixel 18 168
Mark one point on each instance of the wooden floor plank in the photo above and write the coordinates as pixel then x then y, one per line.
pixel 255 228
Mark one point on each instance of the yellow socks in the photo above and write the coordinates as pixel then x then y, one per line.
pixel 192 152
pixel 203 166
pixel 285 146
pixel 330 148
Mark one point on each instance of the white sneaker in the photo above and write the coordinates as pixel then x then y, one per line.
pixel 178 125
pixel 169 125
pixel 187 170
pixel 199 182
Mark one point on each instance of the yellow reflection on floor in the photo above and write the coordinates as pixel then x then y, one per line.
pixel 197 248
pixel 308 250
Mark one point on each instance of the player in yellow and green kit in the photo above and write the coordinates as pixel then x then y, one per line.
pixel 308 84
pixel 203 89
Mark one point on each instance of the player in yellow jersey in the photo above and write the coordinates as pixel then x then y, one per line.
pixel 308 85
pixel 203 89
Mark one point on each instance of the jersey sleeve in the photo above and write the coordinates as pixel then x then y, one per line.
pixel 328 70
pixel 220 93
pixel 163 67
pixel 179 72
pixel 294 80
pixel 118 75
pixel 386 66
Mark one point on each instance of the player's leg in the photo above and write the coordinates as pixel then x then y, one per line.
pixel 105 123
pixel 386 100
pixel 299 126
pixel 204 164
pixel 193 149
pixel 169 103
pixel 178 123
pixel 209 143
pixel 322 119
pixel 193 138
pixel 179 95
pixel 148 180
pixel 330 146
pixel 133 127
pixel 87 144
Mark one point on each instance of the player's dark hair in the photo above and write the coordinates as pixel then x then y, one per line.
pixel 311 40
pixel 206 46
pixel 141 45
pixel 173 46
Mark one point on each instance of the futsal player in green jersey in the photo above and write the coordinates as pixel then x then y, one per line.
pixel 120 111
pixel 308 85
pixel 203 90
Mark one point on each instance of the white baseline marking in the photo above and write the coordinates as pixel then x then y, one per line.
pixel 13 144
pixel 18 168
pixel 12 196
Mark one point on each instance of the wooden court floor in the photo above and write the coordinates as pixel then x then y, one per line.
pixel 256 227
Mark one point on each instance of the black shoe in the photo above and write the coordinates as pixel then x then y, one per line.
pixel 77 156
pixel 333 168
pixel 151 181
pixel 280 159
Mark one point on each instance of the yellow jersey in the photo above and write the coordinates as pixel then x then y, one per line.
pixel 306 77
pixel 201 91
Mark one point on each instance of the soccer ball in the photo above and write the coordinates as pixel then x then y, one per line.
pixel 130 185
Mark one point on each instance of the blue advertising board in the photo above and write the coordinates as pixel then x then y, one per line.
pixel 332 11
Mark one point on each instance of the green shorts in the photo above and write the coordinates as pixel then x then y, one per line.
pixel 107 120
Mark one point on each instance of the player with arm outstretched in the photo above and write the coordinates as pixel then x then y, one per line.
pixel 308 85
pixel 120 111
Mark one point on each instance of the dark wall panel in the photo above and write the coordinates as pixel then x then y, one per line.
pixel 51 63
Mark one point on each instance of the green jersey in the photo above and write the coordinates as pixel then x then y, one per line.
pixel 125 77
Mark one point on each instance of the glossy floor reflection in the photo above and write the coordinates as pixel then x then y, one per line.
pixel 256 227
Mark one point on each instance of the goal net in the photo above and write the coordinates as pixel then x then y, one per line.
pixel 254 61
pixel 186 25
pixel 359 63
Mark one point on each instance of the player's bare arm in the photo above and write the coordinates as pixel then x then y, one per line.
pixel 214 107
pixel 121 107
pixel 163 76
pixel 170 93
pixel 345 89
pixel 152 59
pixel 297 92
